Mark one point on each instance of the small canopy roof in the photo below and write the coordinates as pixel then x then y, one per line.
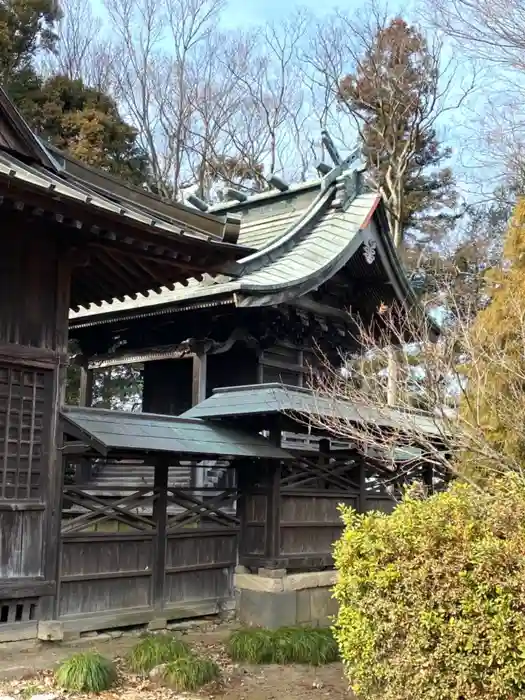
pixel 111 432
pixel 267 399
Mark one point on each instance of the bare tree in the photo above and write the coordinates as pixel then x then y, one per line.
pixel 82 50
pixel 493 35
pixel 162 46
pixel 441 415
pixel 275 109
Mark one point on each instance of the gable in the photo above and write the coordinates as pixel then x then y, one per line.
pixel 17 137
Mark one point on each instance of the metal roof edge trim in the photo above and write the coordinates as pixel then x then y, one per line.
pixel 307 283
pixel 256 260
pixel 260 387
pixel 112 315
pixel 225 219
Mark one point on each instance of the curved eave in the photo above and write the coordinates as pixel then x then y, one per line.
pixel 317 257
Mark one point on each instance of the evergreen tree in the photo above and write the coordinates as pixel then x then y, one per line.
pixel 71 115
pixel 86 123
pixel 393 96
pixel 495 397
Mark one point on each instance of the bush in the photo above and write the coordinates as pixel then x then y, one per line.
pixel 189 672
pixel 153 650
pixel 288 645
pixel 87 672
pixel 432 597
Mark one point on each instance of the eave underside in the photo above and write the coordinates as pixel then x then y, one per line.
pixel 112 253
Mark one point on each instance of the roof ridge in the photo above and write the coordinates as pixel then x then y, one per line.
pixel 280 245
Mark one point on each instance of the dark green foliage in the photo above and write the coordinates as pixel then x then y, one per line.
pixel 69 114
pixel 155 649
pixel 287 645
pixel 189 672
pixel 86 672
pixel 26 27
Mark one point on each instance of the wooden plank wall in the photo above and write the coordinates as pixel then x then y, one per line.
pixel 34 292
pixel 305 512
pixel 144 553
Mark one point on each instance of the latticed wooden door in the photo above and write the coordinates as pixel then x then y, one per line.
pixel 26 413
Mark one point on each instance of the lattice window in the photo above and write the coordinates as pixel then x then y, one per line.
pixel 23 610
pixel 24 413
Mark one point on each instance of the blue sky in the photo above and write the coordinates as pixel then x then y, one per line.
pixel 242 12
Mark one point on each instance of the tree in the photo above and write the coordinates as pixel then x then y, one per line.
pixel 460 397
pixel 86 123
pixel 495 392
pixel 27 27
pixel 394 96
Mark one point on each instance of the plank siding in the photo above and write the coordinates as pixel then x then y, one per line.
pixel 21 544
pixel 154 551
pixel 34 294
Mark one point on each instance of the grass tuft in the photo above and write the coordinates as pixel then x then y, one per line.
pixel 253 646
pixel 86 672
pixel 189 672
pixel 287 645
pixel 153 650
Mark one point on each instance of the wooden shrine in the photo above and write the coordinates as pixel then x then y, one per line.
pixel 203 297
pixel 70 236
pixel 323 257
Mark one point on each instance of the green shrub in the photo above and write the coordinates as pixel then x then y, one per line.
pixel 432 597
pixel 189 672
pixel 153 650
pixel 288 645
pixel 87 672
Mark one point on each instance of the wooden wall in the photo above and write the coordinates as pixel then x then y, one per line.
pixel 34 289
pixel 289 515
pixel 237 367
pixel 144 553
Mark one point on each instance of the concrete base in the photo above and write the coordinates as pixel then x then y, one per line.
pixel 285 600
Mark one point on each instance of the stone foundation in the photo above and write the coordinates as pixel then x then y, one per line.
pixel 273 598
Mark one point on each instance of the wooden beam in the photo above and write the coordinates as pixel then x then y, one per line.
pixel 362 504
pixel 273 502
pixel 198 394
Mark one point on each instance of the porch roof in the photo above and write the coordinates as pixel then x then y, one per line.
pixel 266 399
pixel 107 431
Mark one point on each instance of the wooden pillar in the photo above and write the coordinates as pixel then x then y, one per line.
pixel 273 504
pixel 428 478
pixel 243 469
pixel 198 394
pixel 198 385
pixel 160 515
pixel 86 387
pixel 362 504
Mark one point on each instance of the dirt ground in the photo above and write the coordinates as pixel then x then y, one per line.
pixel 24 671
